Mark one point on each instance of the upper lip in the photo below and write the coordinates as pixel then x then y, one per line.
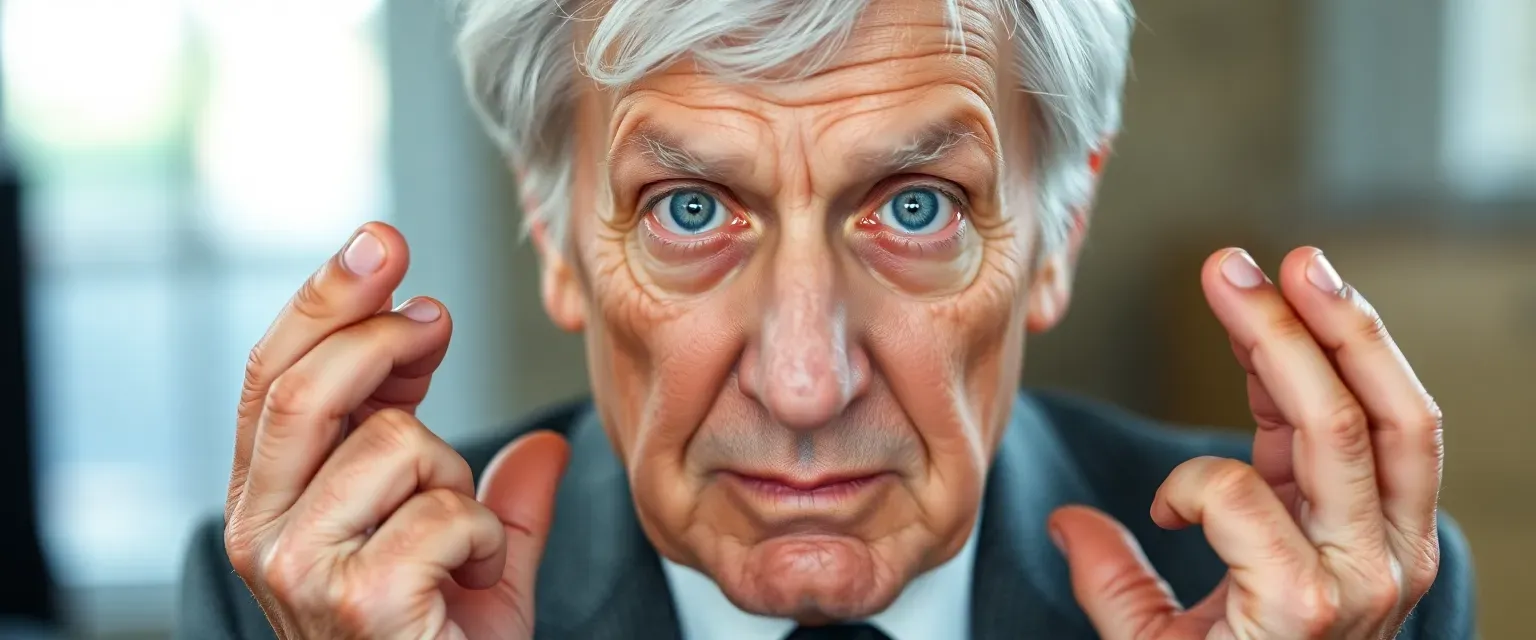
pixel 806 483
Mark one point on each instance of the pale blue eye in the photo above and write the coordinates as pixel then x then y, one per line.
pixel 688 212
pixel 917 211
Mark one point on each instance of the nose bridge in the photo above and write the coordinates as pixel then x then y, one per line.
pixel 806 377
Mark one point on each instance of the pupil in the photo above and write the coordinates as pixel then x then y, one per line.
pixel 692 210
pixel 916 208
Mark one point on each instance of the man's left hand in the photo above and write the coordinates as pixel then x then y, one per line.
pixel 1330 533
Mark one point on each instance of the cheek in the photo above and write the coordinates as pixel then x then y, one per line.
pixel 658 365
pixel 670 267
pixel 953 362
pixel 925 267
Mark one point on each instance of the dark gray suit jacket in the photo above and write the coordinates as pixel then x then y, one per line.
pixel 602 579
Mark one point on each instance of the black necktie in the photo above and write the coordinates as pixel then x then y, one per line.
pixel 838 632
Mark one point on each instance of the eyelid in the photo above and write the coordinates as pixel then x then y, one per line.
pixel 891 188
pixel 673 186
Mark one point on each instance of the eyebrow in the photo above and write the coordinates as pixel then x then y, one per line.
pixel 926 147
pixel 668 152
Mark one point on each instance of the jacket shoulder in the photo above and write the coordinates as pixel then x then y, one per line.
pixel 559 418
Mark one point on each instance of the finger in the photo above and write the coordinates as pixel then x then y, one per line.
pixel 443 529
pixel 519 487
pixel 1268 558
pixel 1111 577
pixel 407 383
pixel 1405 421
pixel 1274 441
pixel 1274 444
pixel 388 459
pixel 1334 465
pixel 302 419
pixel 355 283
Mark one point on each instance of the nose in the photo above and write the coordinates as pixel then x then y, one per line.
pixel 802 366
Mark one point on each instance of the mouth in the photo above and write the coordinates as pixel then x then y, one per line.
pixel 825 490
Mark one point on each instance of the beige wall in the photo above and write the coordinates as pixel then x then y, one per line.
pixel 1209 155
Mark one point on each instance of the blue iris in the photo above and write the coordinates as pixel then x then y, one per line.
pixel 692 210
pixel 915 209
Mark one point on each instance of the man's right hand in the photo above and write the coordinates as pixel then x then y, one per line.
pixel 346 516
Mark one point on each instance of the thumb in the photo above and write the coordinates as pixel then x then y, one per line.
pixel 519 487
pixel 1111 578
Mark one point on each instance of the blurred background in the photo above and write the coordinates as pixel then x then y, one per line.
pixel 175 168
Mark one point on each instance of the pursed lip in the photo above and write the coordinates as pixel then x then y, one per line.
pixel 834 486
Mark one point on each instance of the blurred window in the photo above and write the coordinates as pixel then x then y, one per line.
pixel 190 161
pixel 1490 134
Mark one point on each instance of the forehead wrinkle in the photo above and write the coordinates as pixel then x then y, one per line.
pixel 960 136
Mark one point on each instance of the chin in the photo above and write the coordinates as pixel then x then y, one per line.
pixel 812 577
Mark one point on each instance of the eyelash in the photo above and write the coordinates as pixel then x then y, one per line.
pixel 962 207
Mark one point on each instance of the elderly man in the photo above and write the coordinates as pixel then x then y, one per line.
pixel 805 242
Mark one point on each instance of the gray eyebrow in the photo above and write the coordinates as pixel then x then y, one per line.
pixel 926 147
pixel 667 152
pixel 672 157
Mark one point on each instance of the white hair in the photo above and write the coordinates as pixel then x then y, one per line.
pixel 522 71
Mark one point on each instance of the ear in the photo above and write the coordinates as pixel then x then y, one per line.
pixel 1051 289
pixel 559 286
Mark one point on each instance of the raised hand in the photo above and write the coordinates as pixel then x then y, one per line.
pixel 1330 533
pixel 346 516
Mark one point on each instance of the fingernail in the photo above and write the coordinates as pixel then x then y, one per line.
pixel 1323 276
pixel 364 255
pixel 1056 539
pixel 420 310
pixel 1240 270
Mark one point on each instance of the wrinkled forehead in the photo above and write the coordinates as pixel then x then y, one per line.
pixel 792 53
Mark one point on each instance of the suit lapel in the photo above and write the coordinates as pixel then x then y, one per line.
pixel 600 577
pixel 1021 585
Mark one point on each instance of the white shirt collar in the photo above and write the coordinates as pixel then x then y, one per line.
pixel 936 604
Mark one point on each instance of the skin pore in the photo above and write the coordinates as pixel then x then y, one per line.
pixel 805 304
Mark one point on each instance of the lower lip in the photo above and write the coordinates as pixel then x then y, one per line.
pixel 829 493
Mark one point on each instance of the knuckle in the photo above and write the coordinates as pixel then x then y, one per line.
pixel 310 300
pixel 1427 419
pixel 353 603
pixel 292 394
pixel 239 545
pixel 1381 594
pixel 283 570
pixel 253 387
pixel 1290 327
pixel 1316 608
pixel 1345 428
pixel 1129 584
pixel 1233 482
pixel 447 505
pixel 1371 328
pixel 393 429
pixel 1423 569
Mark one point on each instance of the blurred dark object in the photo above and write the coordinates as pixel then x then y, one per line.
pixel 26 589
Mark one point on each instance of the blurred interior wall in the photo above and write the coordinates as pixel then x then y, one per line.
pixel 506 358
pixel 1210 155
